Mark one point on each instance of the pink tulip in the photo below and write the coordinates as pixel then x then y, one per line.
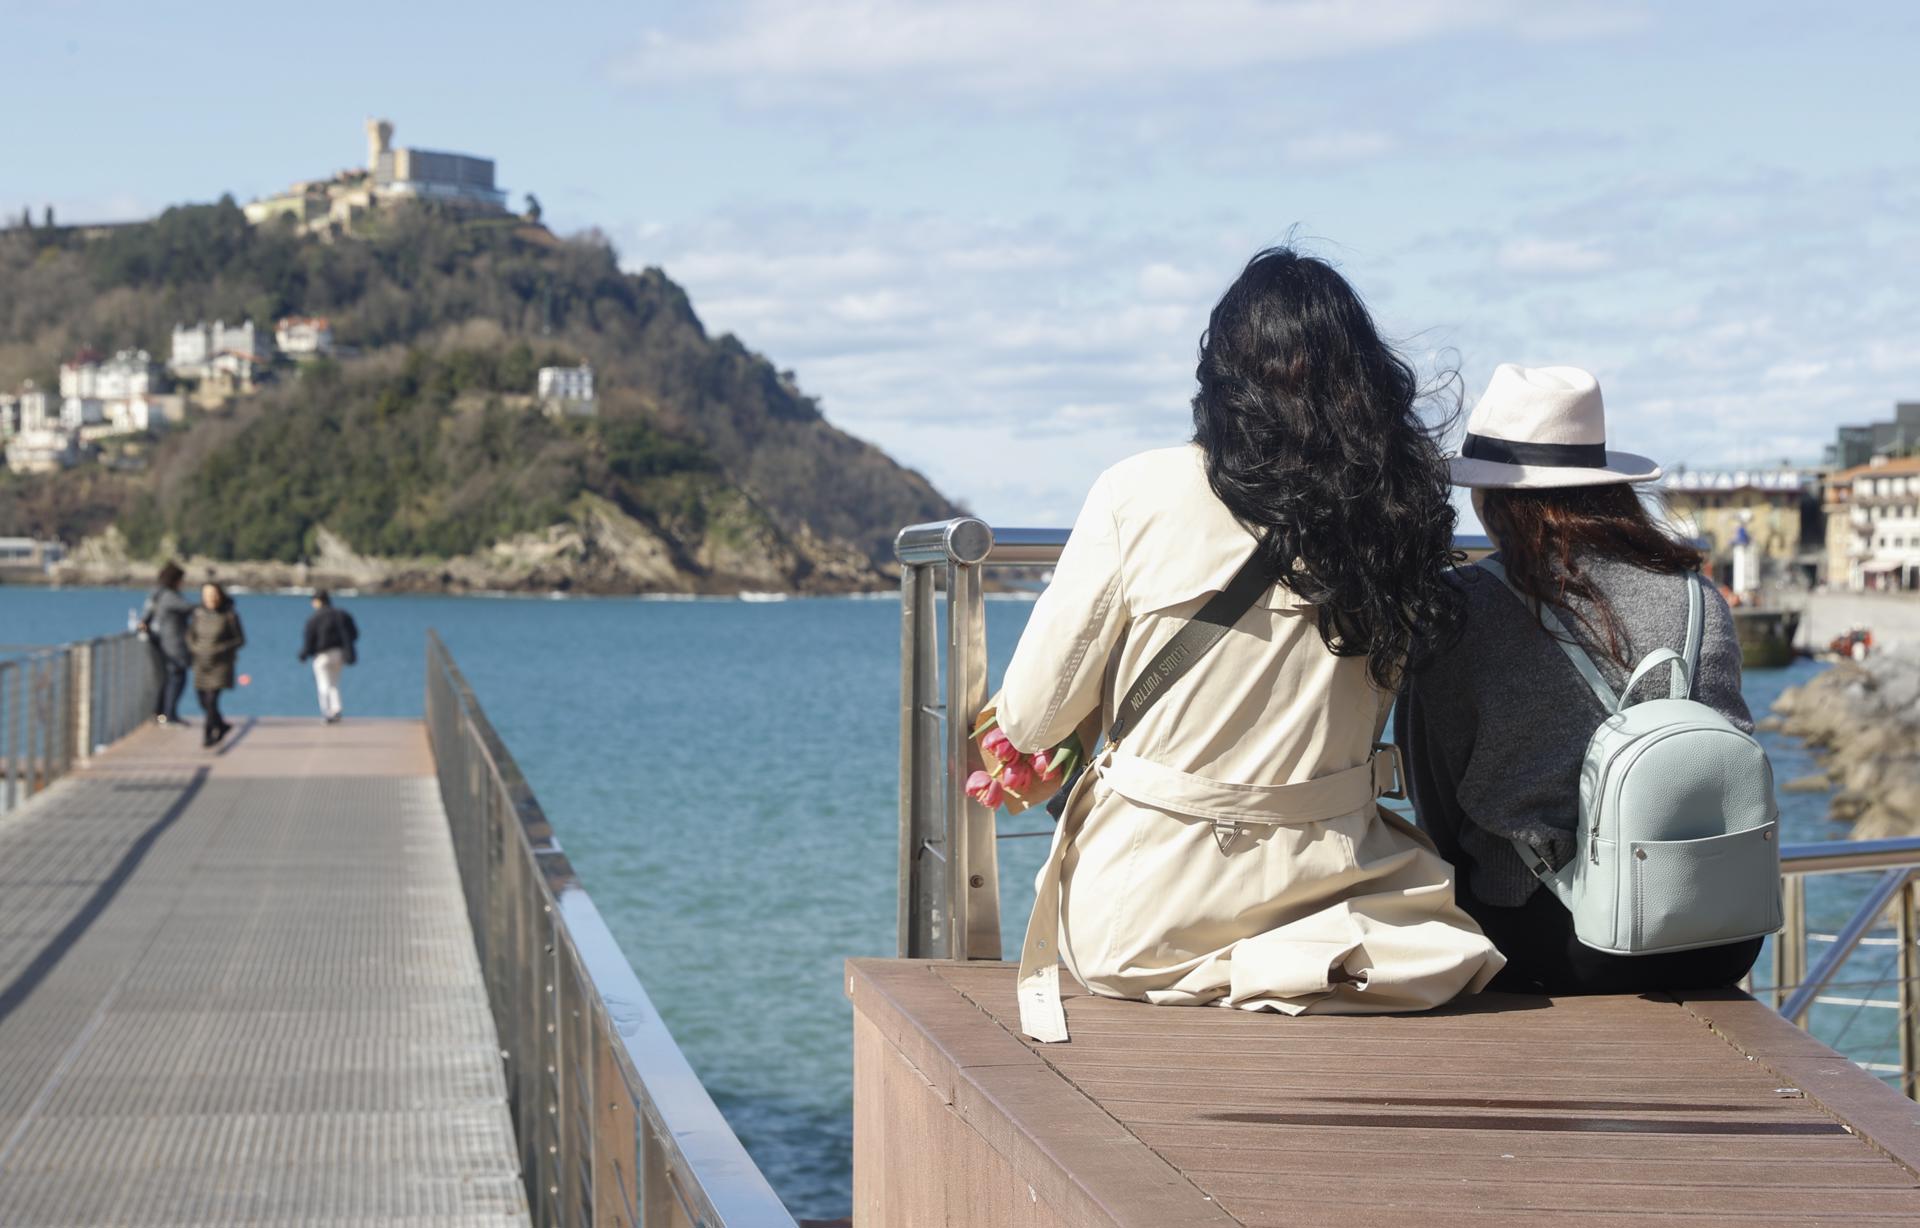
pixel 997 744
pixel 1043 765
pixel 992 795
pixel 977 784
pixel 1017 775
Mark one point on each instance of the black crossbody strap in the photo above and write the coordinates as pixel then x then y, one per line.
pixel 1191 642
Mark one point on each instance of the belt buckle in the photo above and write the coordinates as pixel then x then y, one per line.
pixel 1399 791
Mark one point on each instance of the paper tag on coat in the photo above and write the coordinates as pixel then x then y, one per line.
pixel 1042 1016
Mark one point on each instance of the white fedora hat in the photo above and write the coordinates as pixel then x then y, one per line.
pixel 1541 427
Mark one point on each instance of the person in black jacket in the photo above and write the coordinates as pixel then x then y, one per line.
pixel 329 644
pixel 163 623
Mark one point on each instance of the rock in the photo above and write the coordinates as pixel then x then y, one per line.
pixel 1846 807
pixel 1807 784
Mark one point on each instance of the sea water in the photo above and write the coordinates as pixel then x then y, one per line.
pixel 724 776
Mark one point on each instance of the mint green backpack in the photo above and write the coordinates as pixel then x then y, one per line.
pixel 1679 832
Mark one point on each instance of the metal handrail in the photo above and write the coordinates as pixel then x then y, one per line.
pixel 613 1124
pixel 946 914
pixel 62 704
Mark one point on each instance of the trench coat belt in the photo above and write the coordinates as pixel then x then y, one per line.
pixel 1146 783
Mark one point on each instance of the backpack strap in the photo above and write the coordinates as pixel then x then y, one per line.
pixel 1696 631
pixel 1557 631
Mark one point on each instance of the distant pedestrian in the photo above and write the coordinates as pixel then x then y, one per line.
pixel 215 638
pixel 328 643
pixel 163 620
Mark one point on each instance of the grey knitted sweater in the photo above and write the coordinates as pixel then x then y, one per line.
pixel 1493 731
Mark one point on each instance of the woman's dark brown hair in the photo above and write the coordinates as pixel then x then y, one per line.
pixel 1544 534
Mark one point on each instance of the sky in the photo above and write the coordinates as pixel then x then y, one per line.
pixel 987 234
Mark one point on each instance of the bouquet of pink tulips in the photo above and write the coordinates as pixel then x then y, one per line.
pixel 1014 780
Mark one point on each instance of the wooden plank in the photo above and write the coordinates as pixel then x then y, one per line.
pixel 1863 1169
pixel 1547 1193
pixel 1882 1116
pixel 1442 1140
pixel 1360 1211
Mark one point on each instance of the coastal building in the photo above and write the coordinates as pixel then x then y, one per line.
pixel 43 450
pixel 391 175
pixel 1857 445
pixel 236 354
pixel 9 414
pixel 121 394
pixel 1873 514
pixel 1772 518
pixel 304 336
pixel 566 391
pixel 38 410
pixel 27 555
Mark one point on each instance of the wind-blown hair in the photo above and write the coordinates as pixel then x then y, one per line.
pixel 1314 440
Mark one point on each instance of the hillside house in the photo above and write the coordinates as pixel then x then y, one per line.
pixel 566 391
pixel 304 336
pixel 234 354
pixel 122 394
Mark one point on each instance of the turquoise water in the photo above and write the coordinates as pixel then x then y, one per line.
pixel 724 776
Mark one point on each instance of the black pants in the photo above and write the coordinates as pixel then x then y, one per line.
pixel 1543 956
pixel 173 684
pixel 216 724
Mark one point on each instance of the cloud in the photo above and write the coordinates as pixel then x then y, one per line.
pixel 1552 256
pixel 1334 148
pixel 1006 50
pixel 1010 362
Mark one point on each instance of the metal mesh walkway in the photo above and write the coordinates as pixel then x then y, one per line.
pixel 241 988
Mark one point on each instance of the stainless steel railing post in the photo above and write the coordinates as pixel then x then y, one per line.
pixel 920 912
pixel 80 700
pixel 973 875
pixel 1790 944
pixel 1909 970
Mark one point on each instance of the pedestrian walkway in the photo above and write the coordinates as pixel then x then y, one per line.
pixel 239 986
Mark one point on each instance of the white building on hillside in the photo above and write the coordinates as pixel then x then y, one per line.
pixel 304 336
pixel 38 410
pixel 197 349
pixel 566 390
pixel 111 396
pixel 43 451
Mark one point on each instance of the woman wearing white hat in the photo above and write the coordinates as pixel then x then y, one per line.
pixel 1496 726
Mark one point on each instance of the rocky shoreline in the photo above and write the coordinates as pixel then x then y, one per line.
pixel 598 551
pixel 1863 720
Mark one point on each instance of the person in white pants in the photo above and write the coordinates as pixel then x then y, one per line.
pixel 329 643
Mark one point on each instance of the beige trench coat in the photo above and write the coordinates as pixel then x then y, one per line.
pixel 1266 745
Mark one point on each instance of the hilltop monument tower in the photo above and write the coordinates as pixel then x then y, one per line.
pixel 379 141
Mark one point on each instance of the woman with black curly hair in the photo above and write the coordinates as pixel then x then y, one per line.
pixel 1235 614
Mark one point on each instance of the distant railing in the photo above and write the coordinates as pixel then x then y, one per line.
pixel 613 1125
pixel 60 704
pixel 948 874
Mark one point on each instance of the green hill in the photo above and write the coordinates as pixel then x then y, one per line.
pixel 705 468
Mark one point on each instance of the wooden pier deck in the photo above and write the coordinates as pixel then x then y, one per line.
pixel 239 987
pixel 1502 1110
